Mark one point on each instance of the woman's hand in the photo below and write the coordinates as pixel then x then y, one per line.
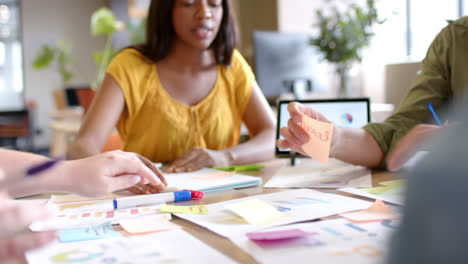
pixel 108 172
pixel 198 158
pixel 15 218
pixel 294 134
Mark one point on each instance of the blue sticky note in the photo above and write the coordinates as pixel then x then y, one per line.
pixel 87 233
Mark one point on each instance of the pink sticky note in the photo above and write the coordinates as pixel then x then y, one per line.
pixel 147 224
pixel 276 235
pixel 320 135
pixel 377 212
pixel 215 175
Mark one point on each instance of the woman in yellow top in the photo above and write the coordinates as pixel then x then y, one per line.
pixel 181 97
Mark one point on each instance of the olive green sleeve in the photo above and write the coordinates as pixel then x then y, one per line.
pixel 432 85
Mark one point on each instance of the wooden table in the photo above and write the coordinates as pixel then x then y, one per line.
pixel 224 245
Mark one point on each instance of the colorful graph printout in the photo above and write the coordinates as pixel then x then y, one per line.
pixel 336 242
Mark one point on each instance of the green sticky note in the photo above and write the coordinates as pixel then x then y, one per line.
pixel 176 209
pixel 245 167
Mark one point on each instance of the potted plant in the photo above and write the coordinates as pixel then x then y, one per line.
pixel 62 55
pixel 342 37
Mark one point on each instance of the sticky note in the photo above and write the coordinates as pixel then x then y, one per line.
pixel 276 235
pixel 320 135
pixel 176 209
pixel 377 212
pixel 147 224
pixel 256 211
pixel 215 175
pixel 380 190
pixel 393 182
pixel 87 233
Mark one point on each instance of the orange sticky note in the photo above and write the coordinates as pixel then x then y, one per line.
pixel 215 175
pixel 377 212
pixel 320 135
pixel 147 224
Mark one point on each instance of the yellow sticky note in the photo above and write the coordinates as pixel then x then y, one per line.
pixel 377 212
pixel 381 189
pixel 147 224
pixel 256 211
pixel 194 209
pixel 215 175
pixel 320 135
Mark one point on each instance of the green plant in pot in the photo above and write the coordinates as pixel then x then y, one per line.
pixel 103 23
pixel 342 37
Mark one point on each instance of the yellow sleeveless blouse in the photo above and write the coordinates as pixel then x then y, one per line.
pixel 162 129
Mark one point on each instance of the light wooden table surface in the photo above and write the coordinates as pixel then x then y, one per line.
pixel 224 245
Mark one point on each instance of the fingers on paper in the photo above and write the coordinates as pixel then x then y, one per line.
pixel 132 163
pixel 191 160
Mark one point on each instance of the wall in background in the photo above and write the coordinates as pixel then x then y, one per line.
pixel 254 15
pixel 47 21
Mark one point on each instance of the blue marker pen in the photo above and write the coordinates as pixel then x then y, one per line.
pixel 151 199
pixel 33 171
pixel 434 114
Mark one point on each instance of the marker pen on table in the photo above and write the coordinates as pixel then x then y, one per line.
pixel 149 199
pixel 29 173
pixel 434 114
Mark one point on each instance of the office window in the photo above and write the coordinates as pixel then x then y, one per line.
pixel 11 58
pixel 427 19
pixel 411 25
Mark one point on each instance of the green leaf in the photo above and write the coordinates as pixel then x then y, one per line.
pixel 44 57
pixel 103 22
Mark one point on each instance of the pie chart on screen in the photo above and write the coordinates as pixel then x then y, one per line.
pixel 346 119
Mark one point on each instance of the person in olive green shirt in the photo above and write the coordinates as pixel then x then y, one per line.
pixel 444 79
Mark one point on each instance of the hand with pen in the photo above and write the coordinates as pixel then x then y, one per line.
pixel 108 172
pixel 93 176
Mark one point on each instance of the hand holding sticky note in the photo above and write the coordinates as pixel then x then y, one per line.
pixel 320 136
pixel 256 211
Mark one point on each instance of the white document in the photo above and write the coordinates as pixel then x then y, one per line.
pixel 395 195
pixel 175 246
pixel 309 173
pixel 300 205
pixel 193 181
pixel 335 241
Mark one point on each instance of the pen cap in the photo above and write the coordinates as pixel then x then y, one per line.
pixel 182 196
pixel 196 195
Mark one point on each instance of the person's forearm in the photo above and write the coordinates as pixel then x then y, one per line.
pixel 356 146
pixel 81 148
pixel 260 148
pixel 54 179
pixel 13 161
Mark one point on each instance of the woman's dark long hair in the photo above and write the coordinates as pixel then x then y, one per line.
pixel 160 33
